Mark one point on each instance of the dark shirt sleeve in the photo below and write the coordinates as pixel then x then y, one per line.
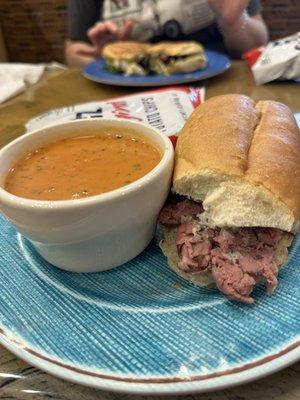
pixel 254 7
pixel 82 14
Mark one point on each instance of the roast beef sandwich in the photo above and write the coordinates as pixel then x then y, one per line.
pixel 129 58
pixel 237 181
pixel 171 57
pixel 136 58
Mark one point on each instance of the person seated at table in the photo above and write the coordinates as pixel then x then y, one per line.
pixel 232 26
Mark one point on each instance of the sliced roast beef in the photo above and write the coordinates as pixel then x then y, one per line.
pixel 231 279
pixel 236 277
pixel 237 258
pixel 193 247
pixel 172 213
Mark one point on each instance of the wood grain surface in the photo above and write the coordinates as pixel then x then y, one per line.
pixel 18 380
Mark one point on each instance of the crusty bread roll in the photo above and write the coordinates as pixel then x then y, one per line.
pixel 242 161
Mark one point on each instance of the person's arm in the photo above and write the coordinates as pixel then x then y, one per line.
pixel 246 34
pixel 241 32
pixel 78 54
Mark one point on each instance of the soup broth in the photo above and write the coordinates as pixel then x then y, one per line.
pixel 81 166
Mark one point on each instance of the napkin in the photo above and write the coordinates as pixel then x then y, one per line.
pixel 16 77
pixel 279 59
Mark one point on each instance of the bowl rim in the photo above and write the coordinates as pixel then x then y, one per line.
pixel 102 198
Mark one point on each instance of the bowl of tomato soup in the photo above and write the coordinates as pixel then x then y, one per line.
pixel 86 193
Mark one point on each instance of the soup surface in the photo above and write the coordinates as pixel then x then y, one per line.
pixel 81 166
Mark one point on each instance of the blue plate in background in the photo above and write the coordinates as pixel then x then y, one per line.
pixel 217 63
pixel 140 328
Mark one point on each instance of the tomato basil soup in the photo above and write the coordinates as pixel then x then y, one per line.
pixel 81 166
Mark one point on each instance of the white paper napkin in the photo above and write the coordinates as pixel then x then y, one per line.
pixel 15 77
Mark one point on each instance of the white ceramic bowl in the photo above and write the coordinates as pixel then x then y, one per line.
pixel 97 232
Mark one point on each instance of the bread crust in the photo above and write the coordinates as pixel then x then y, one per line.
pixel 274 156
pixel 173 49
pixel 211 139
pixel 230 139
pixel 125 50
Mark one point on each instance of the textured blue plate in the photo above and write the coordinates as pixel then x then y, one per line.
pixel 140 328
pixel 217 63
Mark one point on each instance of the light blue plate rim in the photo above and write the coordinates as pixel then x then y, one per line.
pixel 127 384
pixel 217 63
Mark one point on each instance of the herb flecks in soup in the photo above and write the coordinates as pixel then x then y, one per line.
pixel 81 166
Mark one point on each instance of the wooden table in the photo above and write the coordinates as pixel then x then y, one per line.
pixel 19 380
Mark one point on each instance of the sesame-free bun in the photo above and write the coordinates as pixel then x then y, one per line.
pixel 173 49
pixel 125 50
pixel 242 160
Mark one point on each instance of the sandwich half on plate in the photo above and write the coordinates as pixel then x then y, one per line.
pixel 237 203
pixel 176 57
pixel 128 58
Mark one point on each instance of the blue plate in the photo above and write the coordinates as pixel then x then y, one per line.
pixel 140 328
pixel 217 63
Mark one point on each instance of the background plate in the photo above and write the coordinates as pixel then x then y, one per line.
pixel 140 328
pixel 217 63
